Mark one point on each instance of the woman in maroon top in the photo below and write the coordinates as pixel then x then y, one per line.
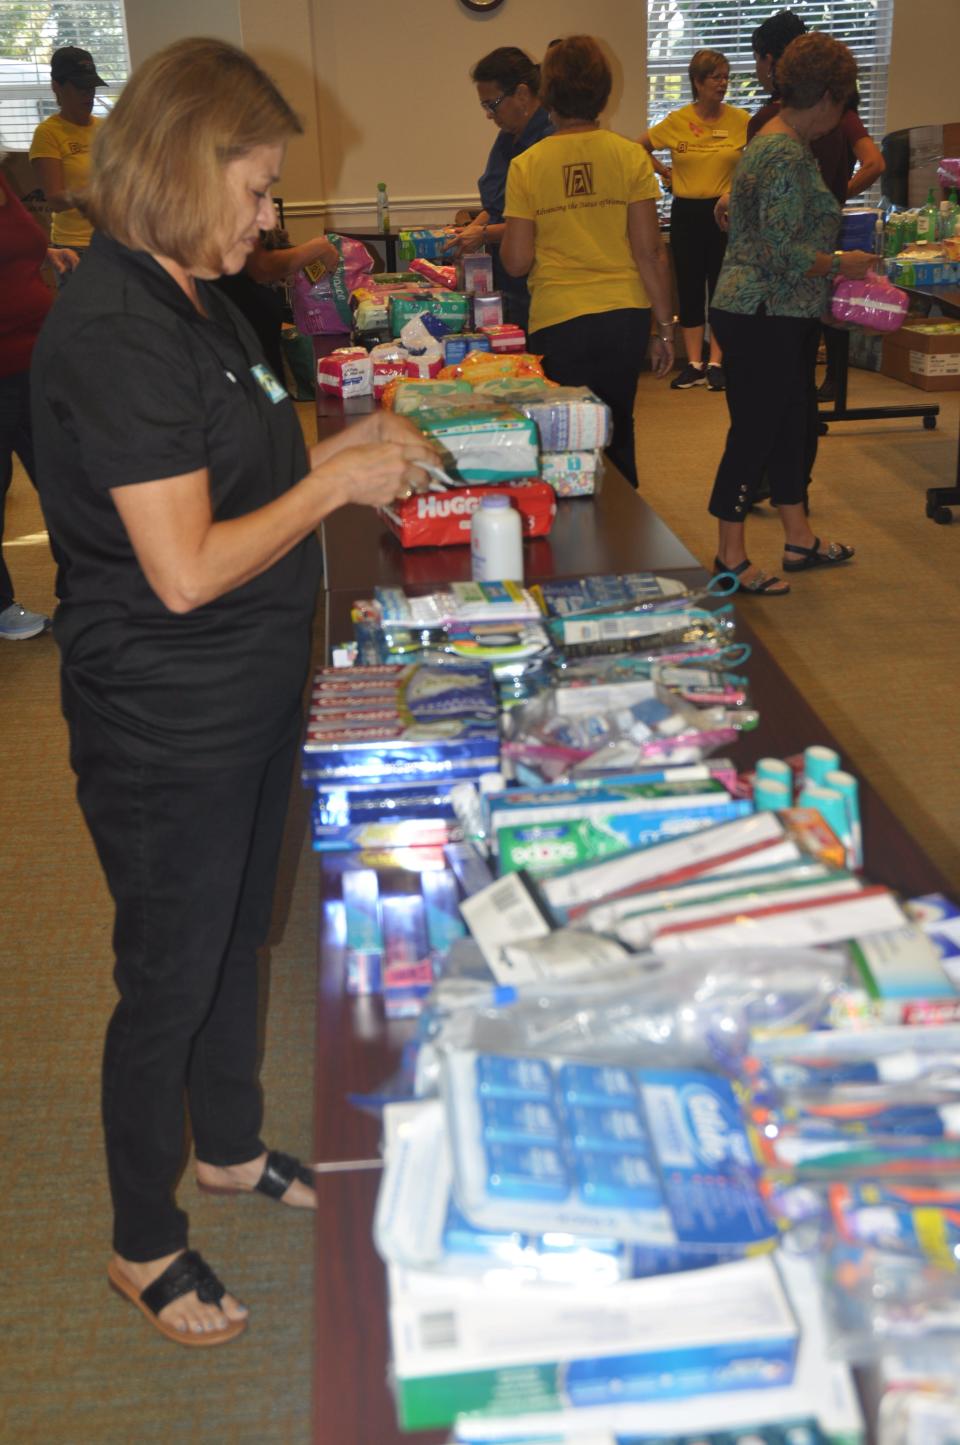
pixel 25 300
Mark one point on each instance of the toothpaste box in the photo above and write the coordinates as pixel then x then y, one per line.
pixel 903 963
pixel 822 1387
pixel 442 750
pixel 541 838
pixel 505 1349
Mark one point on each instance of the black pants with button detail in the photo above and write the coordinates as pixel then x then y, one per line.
pixel 770 367
pixel 190 857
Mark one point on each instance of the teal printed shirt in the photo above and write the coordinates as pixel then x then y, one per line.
pixel 781 215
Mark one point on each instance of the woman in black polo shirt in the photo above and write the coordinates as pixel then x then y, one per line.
pixel 177 489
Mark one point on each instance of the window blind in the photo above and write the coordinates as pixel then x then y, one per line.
pixel 677 28
pixel 30 31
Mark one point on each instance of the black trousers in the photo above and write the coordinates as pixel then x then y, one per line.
pixel 15 436
pixel 697 245
pixel 770 368
pixel 604 350
pixel 191 860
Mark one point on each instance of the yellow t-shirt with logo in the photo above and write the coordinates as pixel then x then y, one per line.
pixel 575 186
pixel 704 153
pixel 60 140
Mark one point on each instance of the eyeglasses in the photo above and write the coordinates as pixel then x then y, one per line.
pixel 492 106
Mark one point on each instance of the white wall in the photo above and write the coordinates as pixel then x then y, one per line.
pixel 922 87
pixel 152 24
pixel 384 93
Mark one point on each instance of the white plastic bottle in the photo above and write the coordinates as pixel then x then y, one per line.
pixel 496 541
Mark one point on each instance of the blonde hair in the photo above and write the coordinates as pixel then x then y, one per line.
pixel 157 178
pixel 702 66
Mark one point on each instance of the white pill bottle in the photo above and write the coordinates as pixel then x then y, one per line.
pixel 496 541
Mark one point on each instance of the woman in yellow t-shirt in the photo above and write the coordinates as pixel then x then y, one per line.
pixel 704 140
pixel 581 223
pixel 60 149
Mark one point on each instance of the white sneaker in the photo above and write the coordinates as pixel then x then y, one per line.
pixel 17 624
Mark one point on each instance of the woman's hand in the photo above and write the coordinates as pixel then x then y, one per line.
pixel 377 473
pixel 854 265
pixel 721 211
pixel 666 175
pixel 662 355
pixel 62 259
pixel 470 239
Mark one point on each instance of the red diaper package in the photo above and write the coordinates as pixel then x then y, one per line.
pixel 347 372
pixel 442 519
pixel 505 337
pixel 424 368
pixel 445 276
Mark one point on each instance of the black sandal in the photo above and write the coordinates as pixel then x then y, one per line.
pixel 279 1172
pixel 761 585
pixel 836 553
pixel 187 1274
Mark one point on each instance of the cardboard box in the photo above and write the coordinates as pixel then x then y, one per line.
pixel 928 359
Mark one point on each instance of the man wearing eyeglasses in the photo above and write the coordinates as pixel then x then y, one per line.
pixel 507 82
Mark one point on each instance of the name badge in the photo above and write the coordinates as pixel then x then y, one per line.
pixel 269 382
pixel 720 134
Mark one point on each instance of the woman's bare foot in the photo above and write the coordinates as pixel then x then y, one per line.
pixel 243 1178
pixel 187 1315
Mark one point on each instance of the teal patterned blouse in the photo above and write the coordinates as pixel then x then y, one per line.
pixel 781 215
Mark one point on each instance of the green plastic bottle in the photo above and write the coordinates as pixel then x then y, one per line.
pixel 928 219
pixel 383 207
pixel 949 216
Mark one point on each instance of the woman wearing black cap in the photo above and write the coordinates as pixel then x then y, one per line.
pixel 60 149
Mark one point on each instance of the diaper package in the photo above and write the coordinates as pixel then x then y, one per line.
pixel 481 441
pixel 572 474
pixel 571 419
pixel 346 372
pixel 445 276
pixel 442 519
pixel 412 394
pixel 427 242
pixel 450 306
pixel 505 337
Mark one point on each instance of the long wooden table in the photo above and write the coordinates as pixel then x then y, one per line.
pixel 357 1049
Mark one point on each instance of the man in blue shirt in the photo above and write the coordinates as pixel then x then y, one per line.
pixel 507 82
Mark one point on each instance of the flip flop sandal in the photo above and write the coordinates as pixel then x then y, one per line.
pixel 279 1172
pixel 813 557
pixel 187 1273
pixel 762 584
